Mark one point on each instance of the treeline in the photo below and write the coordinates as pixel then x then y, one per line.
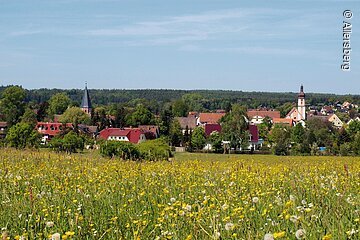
pixel 208 99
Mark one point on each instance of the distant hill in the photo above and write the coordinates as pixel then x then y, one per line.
pixel 251 99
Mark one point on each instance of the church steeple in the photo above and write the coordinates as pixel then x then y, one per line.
pixel 86 102
pixel 301 104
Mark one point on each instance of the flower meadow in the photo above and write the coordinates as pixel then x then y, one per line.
pixel 46 195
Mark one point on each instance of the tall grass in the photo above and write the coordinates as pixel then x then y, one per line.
pixel 196 196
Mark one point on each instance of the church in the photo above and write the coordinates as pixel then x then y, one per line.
pixel 298 114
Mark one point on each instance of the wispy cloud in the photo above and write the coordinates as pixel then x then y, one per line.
pixel 25 32
pixel 246 50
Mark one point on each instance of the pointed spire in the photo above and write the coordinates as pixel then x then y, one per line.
pixel 86 102
pixel 301 94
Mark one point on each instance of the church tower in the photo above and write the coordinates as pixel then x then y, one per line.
pixel 86 103
pixel 301 104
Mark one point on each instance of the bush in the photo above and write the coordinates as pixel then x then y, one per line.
pixel 124 150
pixel 23 135
pixel 152 150
pixel 155 150
pixel 69 143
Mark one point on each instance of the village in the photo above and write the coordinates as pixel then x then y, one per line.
pixel 258 126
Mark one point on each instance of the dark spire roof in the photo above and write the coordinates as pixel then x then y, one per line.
pixel 86 103
pixel 302 94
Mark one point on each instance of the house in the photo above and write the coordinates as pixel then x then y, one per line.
pixel 48 130
pixel 336 121
pixel 326 110
pixel 254 141
pixel 151 131
pixel 284 121
pixel 187 124
pixel 133 135
pixel 257 116
pixel 91 131
pixel 3 129
pixel 209 118
pixel 352 120
pixel 212 127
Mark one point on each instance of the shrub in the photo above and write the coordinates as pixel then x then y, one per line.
pixel 69 143
pixel 155 150
pixel 124 150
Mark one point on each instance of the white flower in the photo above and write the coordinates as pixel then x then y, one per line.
pixel 172 199
pixel 217 235
pixel 224 207
pixel 255 199
pixel 300 234
pixel 303 202
pixel 55 236
pixel 229 226
pixel 268 236
pixel 49 224
pixel 292 198
pixel 231 184
pixel 188 207
pixel 294 218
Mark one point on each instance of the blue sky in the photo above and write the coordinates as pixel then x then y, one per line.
pixel 190 44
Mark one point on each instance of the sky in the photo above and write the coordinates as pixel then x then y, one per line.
pixel 257 45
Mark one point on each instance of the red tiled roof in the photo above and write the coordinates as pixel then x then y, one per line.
pixel 210 117
pixel 190 122
pixel 253 129
pixel 151 129
pixel 271 114
pixel 287 121
pixel 212 127
pixel 51 128
pixel 133 134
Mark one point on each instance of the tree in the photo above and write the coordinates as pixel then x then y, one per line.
pixel 70 143
pixel 193 101
pixel 29 117
pixel 175 133
pixel 12 104
pixel 75 116
pixel 297 134
pixel 22 135
pixel 234 127
pixel 141 116
pixel 356 144
pixel 280 139
pixel 179 108
pixel 215 140
pixel 198 138
pixel 58 103
pixel 166 117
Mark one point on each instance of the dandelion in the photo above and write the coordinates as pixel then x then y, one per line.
pixel 229 226
pixel 56 236
pixel 49 224
pixel 300 234
pixel 294 218
pixel 326 237
pixel 279 234
pixel 172 199
pixel 188 208
pixel 268 236
pixel 255 199
pixel 224 207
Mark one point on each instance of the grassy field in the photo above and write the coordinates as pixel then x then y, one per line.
pixel 196 196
